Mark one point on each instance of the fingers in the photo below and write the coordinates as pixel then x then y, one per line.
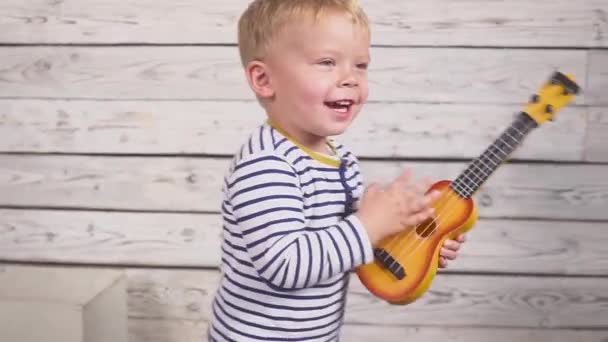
pixel 423 185
pixel 448 253
pixel 425 201
pixel 401 182
pixel 419 217
pixel 452 245
pixel 449 250
pixel 460 238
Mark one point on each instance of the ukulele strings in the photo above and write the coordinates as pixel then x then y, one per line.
pixel 456 197
pixel 397 237
pixel 451 200
pixel 447 205
pixel 521 135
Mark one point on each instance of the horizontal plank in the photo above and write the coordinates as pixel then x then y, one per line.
pixel 169 240
pixel 142 330
pixel 597 135
pixel 598 76
pixel 384 129
pixel 453 300
pixel 455 334
pixel 145 239
pixel 457 75
pixel 558 191
pixel 436 22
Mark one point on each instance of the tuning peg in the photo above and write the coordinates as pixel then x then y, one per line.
pixel 549 110
pixel 535 98
pixel 571 87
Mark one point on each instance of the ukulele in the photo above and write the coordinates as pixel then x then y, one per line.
pixel 406 263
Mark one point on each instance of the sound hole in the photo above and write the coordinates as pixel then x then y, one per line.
pixel 426 228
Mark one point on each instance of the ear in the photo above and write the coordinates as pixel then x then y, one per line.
pixel 259 79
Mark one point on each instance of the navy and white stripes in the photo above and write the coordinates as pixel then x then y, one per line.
pixel 289 242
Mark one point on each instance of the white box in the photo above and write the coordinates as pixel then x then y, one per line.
pixel 61 304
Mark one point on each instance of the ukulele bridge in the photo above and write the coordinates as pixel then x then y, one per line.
pixel 387 260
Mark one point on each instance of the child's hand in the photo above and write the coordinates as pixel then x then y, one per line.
pixel 449 250
pixel 387 211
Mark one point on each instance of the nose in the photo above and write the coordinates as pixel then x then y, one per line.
pixel 349 79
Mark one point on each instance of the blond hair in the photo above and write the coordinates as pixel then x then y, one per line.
pixel 263 19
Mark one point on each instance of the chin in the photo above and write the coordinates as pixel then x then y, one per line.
pixel 337 129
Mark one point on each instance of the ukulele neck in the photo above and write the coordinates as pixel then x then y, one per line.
pixel 478 171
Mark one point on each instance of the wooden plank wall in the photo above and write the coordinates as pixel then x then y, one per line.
pixel 118 119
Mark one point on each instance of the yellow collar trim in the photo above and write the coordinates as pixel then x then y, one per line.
pixel 313 154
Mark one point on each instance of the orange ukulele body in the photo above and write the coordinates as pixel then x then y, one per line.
pixel 420 260
pixel 406 263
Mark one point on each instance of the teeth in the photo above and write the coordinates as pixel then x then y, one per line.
pixel 343 103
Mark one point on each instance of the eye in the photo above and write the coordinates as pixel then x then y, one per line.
pixel 327 62
pixel 362 66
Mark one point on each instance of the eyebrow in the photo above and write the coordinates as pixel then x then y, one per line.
pixel 332 51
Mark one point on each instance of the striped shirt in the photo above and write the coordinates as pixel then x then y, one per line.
pixel 289 241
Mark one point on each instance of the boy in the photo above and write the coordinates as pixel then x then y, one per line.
pixel 296 220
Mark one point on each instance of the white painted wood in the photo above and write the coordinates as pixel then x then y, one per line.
pixel 553 191
pixel 168 240
pixel 105 316
pixel 61 304
pixel 491 301
pixel 112 182
pixel 431 22
pixel 521 190
pixel 142 330
pixel 91 237
pixel 453 300
pixel 597 86
pixel 597 135
pixel 161 330
pixel 384 129
pixel 457 75
pixel 400 334
pixel 436 99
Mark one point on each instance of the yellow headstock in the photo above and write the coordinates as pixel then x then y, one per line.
pixel 558 92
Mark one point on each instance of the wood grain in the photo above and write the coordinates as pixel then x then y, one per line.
pixel 385 130
pixel 597 135
pixel 456 75
pixel 435 22
pixel 117 119
pixel 453 300
pixel 556 191
pixel 91 237
pixel 188 240
pixel 598 77
pixel 143 330
pixel 465 334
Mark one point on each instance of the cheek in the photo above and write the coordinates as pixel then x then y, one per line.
pixel 364 89
pixel 312 92
pixel 364 94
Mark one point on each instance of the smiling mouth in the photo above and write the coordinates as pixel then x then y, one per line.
pixel 341 106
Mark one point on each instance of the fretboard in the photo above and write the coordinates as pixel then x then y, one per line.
pixel 478 171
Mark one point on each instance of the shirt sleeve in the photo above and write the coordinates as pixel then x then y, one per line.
pixel 267 203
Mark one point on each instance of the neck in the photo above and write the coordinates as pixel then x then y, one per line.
pixel 308 142
pixel 473 177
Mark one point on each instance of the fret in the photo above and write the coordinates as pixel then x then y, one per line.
pixel 478 171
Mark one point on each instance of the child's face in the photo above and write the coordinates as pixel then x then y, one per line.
pixel 318 72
